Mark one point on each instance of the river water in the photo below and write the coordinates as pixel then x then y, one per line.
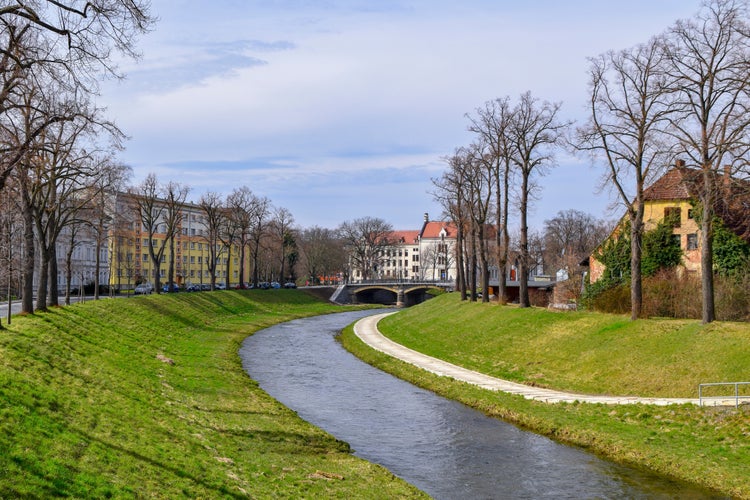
pixel 443 447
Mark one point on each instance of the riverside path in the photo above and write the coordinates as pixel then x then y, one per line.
pixel 366 329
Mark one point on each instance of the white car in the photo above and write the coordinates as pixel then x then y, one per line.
pixel 144 289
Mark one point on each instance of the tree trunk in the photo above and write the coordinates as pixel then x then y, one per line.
pixel 460 276
pixel 473 263
pixel 68 270
pixel 41 290
pixel 523 271
pixel 636 253
pixel 53 299
pixel 27 298
pixel 707 262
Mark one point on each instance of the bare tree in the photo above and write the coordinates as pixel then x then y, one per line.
pixel 322 253
pixel 247 216
pixel 174 195
pixel 708 70
pixel 479 169
pixel 151 211
pixel 366 238
pixel 449 192
pixel 212 207
pixel 570 236
pixel 110 178
pixel 535 131
pixel 492 124
pixel 70 42
pixel 625 131
pixel 281 226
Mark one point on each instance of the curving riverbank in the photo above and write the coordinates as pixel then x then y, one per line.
pixel 705 446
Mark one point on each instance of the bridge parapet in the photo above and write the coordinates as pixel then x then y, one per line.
pixel 388 292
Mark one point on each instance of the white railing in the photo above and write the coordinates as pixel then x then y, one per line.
pixel 736 396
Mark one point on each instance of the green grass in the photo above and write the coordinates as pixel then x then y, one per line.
pixel 89 408
pixel 584 352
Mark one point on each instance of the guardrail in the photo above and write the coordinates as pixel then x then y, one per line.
pixel 736 396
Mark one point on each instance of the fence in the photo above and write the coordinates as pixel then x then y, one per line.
pixel 736 396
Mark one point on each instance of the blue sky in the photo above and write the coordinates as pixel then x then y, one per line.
pixel 340 109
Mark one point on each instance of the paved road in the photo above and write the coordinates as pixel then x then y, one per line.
pixel 366 329
pixel 15 307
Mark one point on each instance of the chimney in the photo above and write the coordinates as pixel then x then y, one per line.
pixel 426 217
pixel 727 176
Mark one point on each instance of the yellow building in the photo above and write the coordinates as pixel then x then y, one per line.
pixel 130 262
pixel 668 198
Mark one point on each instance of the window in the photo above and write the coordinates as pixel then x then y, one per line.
pixel 673 215
pixel 145 257
pixel 691 215
pixel 692 241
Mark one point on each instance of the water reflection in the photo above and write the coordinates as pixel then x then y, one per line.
pixel 443 447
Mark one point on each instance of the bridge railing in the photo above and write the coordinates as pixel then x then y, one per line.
pixel 391 281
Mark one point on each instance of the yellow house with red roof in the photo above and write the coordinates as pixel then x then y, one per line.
pixel 670 197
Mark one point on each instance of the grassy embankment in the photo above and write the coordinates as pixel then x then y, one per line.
pixel 90 406
pixel 592 353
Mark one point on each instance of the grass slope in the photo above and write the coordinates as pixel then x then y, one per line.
pixel 591 353
pixel 583 352
pixel 90 406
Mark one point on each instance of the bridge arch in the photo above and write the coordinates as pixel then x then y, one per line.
pixel 400 295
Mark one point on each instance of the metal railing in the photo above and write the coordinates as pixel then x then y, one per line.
pixel 736 396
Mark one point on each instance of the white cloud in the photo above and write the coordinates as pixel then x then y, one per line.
pixel 331 86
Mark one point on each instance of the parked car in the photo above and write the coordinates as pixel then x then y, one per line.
pixel 290 284
pixel 144 289
pixel 173 287
pixel 264 285
pixel 205 287
pixel 275 284
pixel 220 286
pixel 193 288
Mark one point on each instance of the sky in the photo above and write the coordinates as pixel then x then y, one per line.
pixel 340 109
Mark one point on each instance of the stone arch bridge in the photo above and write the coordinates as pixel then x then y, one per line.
pixel 398 293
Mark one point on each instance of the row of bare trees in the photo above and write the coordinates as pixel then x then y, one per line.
pixel 515 144
pixel 683 94
pixel 56 148
pixel 265 237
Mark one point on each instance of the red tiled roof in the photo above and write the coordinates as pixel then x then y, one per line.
pixel 432 229
pixel 674 185
pixel 408 236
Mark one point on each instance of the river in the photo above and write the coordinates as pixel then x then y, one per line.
pixel 443 447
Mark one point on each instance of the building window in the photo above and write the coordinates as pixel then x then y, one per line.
pixel 692 241
pixel 691 215
pixel 673 216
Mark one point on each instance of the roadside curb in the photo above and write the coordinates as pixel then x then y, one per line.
pixel 367 331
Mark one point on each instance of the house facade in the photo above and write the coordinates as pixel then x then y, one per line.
pixel 671 197
pixel 130 262
pixel 426 254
